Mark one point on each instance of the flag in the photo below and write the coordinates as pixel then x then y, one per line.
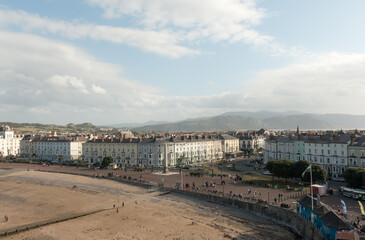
pixel 344 207
pixel 361 208
pixel 319 197
pixel 308 169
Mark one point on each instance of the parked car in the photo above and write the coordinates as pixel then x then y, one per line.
pixel 186 167
pixel 266 173
pixel 229 166
pixel 339 179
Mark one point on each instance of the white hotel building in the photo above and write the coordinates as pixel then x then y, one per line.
pixel 53 149
pixel 9 142
pixel 328 151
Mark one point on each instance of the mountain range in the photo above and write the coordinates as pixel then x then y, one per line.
pixel 246 120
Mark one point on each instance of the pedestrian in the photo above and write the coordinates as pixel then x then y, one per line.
pixel 275 200
pixel 123 204
pixel 216 206
pixel 113 205
pixel 117 210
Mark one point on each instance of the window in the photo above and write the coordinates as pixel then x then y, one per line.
pixel 329 151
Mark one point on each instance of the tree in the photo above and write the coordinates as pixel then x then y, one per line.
pixel 318 174
pixel 354 177
pixel 298 168
pixel 280 168
pixel 107 161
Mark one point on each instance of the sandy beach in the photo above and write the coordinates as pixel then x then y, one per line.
pixel 31 196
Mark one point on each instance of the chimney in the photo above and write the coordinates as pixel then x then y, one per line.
pixel 353 138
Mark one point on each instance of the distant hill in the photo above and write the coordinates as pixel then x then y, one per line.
pixel 34 127
pixel 261 114
pixel 211 124
pixel 291 122
pixel 262 119
pixel 134 125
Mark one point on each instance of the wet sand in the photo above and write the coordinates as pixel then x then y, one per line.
pixel 31 196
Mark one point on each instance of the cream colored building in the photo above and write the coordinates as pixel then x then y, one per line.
pixel 356 152
pixel 229 144
pixel 123 151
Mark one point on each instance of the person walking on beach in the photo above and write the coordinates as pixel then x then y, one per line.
pixel 117 210
pixel 123 204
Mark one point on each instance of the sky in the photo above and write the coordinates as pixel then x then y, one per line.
pixel 123 61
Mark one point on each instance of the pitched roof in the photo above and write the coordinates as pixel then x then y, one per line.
pixel 322 210
pixel 307 201
pixel 332 220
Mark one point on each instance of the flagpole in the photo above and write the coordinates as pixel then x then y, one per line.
pixel 311 186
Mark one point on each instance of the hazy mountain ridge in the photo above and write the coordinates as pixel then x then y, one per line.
pixel 262 119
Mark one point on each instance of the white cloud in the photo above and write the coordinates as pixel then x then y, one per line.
pixel 327 83
pixel 39 110
pixel 66 81
pixel 161 27
pixel 216 20
pixel 98 89
pixel 164 42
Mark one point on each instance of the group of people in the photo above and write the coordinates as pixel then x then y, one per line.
pixel 122 206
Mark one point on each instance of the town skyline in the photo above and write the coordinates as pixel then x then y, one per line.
pixel 102 61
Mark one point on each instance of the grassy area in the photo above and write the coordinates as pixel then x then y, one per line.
pixel 262 180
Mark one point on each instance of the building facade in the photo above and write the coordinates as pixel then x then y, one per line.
pixel 356 152
pixel 328 151
pixel 122 150
pixel 9 142
pixel 56 149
